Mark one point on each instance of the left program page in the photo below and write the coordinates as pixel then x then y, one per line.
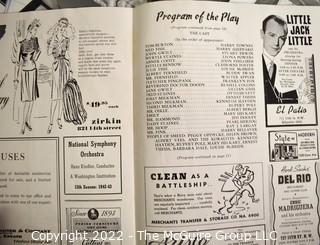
pixel 66 140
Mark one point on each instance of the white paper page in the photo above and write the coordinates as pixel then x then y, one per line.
pixel 208 127
pixel 66 144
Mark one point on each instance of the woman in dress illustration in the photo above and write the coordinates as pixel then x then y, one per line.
pixel 26 72
pixel 58 46
pixel 117 3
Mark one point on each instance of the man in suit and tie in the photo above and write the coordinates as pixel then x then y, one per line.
pixel 289 2
pixel 274 34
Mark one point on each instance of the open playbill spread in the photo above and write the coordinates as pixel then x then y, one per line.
pixel 173 123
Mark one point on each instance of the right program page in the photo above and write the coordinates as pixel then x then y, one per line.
pixel 226 124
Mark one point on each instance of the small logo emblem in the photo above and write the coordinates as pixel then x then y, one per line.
pixel 93 214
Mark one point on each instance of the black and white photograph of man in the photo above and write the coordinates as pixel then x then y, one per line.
pixel 288 75
pixel 274 34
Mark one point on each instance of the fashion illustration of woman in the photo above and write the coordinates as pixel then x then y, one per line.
pixel 26 72
pixel 58 46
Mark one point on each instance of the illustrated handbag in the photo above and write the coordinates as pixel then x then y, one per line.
pixel 73 109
